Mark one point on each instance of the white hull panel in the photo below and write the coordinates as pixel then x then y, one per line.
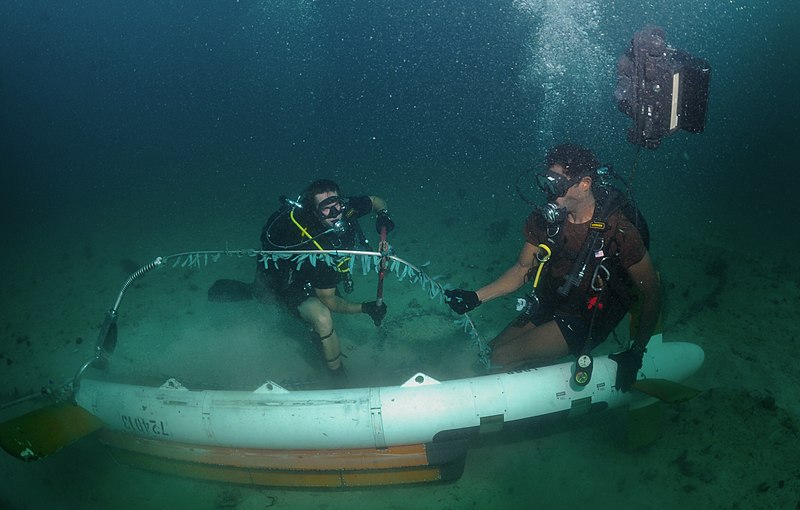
pixel 274 418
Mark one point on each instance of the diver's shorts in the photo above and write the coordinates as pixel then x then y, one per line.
pixel 293 296
pixel 575 328
pixel 271 284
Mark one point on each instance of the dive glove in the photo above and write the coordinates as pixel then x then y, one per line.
pixel 377 312
pixel 462 301
pixel 628 364
pixel 384 221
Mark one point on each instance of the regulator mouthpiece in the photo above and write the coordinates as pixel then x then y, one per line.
pixel 553 213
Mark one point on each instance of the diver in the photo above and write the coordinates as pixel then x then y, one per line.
pixel 320 219
pixel 587 260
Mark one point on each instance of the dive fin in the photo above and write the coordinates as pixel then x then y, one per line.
pixel 666 391
pixel 39 433
pixel 226 291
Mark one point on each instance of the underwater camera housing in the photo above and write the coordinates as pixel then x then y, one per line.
pixel 662 89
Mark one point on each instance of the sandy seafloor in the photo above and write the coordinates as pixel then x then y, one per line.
pixel 735 446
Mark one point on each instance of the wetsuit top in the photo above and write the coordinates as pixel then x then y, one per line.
pixel 621 242
pixel 281 234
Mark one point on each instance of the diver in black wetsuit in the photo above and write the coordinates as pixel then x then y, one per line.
pixel 320 220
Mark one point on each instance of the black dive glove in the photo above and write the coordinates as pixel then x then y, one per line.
pixel 462 301
pixel 377 312
pixel 384 221
pixel 628 364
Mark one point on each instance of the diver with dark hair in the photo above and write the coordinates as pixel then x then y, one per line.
pixel 320 219
pixel 587 261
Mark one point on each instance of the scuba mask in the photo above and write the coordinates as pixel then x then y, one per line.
pixel 331 207
pixel 555 185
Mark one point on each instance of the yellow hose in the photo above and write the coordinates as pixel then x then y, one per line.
pixel 304 231
pixel 343 262
pixel 542 260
